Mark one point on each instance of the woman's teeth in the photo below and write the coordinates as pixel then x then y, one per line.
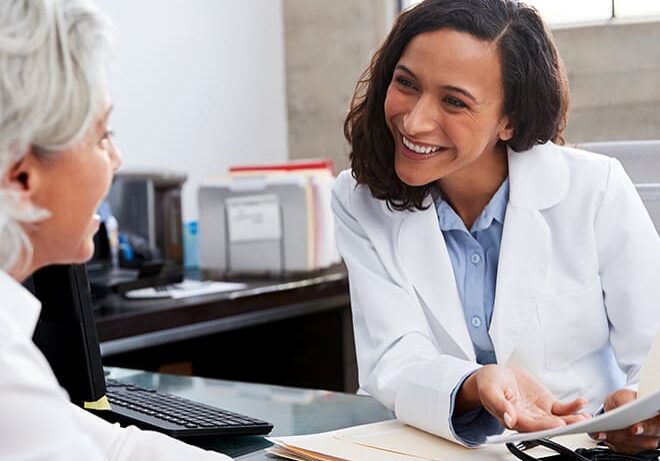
pixel 419 149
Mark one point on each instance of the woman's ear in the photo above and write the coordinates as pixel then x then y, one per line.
pixel 24 176
pixel 507 130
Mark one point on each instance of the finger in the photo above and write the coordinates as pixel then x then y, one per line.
pixel 571 419
pixel 618 398
pixel 529 421
pixel 624 438
pixel 568 408
pixel 494 400
pixel 648 428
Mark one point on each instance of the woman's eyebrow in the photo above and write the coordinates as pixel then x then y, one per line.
pixel 453 88
pixel 463 91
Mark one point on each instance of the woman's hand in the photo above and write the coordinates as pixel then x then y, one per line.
pixel 638 437
pixel 516 399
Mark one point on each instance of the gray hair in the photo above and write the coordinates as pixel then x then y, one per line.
pixel 53 56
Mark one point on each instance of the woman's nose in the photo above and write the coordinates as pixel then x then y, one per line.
pixel 116 159
pixel 422 118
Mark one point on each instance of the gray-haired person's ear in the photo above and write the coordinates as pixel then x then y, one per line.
pixel 23 177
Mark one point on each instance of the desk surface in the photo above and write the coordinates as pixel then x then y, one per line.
pixel 124 325
pixel 292 411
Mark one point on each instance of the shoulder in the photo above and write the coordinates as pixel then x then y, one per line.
pixel 581 161
pixel 357 197
pixel 354 206
pixel 591 172
pixel 547 174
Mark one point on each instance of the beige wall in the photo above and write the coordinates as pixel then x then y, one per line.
pixel 614 74
pixel 328 45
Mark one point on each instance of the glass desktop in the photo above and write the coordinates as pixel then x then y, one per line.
pixel 292 411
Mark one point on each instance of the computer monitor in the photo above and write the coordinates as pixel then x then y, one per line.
pixel 66 331
pixel 66 334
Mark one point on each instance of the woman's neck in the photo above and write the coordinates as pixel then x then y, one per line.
pixel 469 190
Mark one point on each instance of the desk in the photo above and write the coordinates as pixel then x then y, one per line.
pixel 291 410
pixel 276 316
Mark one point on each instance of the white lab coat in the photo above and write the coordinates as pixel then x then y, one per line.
pixel 577 301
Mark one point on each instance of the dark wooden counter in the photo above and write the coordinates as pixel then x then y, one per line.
pixel 274 316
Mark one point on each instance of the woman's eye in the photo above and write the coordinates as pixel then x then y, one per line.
pixel 457 103
pixel 106 138
pixel 404 82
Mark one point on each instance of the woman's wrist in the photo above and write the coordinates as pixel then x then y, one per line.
pixel 467 398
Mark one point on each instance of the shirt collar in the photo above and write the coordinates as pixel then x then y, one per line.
pixel 494 211
pixel 19 304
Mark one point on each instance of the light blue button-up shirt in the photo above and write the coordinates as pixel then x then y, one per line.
pixel 474 256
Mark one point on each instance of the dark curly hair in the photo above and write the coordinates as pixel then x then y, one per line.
pixel 533 79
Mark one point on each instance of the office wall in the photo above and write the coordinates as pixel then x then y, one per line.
pixel 328 45
pixel 198 85
pixel 614 76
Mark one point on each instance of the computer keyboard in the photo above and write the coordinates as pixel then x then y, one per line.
pixel 176 416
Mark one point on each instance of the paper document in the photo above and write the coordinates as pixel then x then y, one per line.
pixel 391 441
pixel 644 407
pixel 185 289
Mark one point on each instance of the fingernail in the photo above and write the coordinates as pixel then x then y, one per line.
pixel 639 430
pixel 602 436
pixel 508 420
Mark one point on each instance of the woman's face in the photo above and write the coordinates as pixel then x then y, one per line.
pixel 444 106
pixel 71 185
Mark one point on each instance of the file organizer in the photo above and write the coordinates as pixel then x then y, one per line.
pixel 266 224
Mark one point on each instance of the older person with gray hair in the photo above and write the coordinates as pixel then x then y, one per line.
pixel 57 158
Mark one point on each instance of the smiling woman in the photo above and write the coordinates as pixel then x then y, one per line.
pixel 463 75
pixel 478 248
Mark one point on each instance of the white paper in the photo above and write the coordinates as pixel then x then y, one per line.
pixel 253 218
pixel 185 289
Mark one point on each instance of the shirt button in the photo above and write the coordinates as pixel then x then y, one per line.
pixel 475 258
pixel 476 322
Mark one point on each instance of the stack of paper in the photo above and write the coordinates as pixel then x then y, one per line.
pixel 391 441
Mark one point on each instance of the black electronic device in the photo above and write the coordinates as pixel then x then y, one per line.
pixel 149 270
pixel 175 415
pixel 66 335
pixel 66 332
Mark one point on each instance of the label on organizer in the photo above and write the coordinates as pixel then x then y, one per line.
pixel 255 217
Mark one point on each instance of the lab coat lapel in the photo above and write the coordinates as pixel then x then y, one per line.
pixel 538 180
pixel 426 259
pixel 521 274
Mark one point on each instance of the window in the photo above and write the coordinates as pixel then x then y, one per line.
pixel 569 11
